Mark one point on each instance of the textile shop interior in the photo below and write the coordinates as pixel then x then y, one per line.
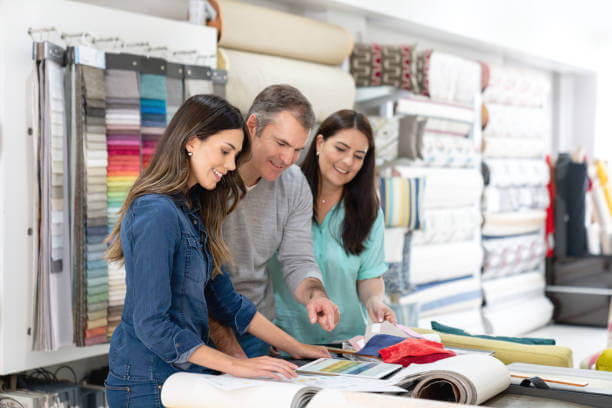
pixel 492 138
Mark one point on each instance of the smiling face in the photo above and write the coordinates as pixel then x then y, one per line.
pixel 341 156
pixel 275 149
pixel 213 157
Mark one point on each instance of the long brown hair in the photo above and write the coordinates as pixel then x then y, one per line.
pixel 200 116
pixel 359 195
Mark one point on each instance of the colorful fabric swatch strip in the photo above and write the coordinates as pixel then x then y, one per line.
pixel 402 201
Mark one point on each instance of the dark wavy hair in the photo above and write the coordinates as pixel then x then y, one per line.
pixel 200 116
pixel 359 195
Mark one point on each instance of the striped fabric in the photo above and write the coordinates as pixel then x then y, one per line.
pixel 402 201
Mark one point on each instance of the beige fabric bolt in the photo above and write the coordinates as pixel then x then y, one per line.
pixel 282 34
pixel 328 89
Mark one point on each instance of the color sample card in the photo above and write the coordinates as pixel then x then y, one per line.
pixel 333 366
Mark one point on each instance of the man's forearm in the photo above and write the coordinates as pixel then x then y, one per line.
pixel 308 289
pixel 224 339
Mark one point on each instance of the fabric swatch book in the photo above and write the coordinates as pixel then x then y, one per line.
pixel 362 369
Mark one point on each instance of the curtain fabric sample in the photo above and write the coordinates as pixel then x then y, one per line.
pixel 383 65
pixel 282 34
pixel 52 250
pixel 328 89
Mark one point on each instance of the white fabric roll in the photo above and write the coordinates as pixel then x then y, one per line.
pixel 518 318
pixel 452 79
pixel 512 255
pixel 431 263
pixel 513 223
pixel 446 297
pixel 513 86
pixel 517 122
pixel 328 89
pixel 444 188
pixel 514 147
pixel 512 288
pixel 394 244
pixel 518 172
pixel 448 225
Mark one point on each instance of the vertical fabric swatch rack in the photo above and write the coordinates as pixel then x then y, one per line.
pixel 152 106
pixel 122 79
pixel 51 248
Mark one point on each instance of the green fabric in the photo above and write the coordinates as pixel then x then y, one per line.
pixel 340 274
pixel 520 340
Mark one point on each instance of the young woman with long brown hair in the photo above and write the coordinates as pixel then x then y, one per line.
pixel 169 237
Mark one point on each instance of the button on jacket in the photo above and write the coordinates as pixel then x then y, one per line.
pixel 169 290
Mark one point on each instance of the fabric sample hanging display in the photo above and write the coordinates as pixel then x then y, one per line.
pixel 152 106
pixel 198 81
pixel 96 162
pixel 123 143
pixel 52 256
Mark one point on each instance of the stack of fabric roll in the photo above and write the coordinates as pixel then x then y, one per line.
pixel 515 200
pixel 434 249
pixel 284 48
pixel 123 144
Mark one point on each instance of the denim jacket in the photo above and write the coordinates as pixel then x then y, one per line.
pixel 170 292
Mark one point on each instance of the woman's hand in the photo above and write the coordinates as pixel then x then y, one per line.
pixel 379 312
pixel 302 351
pixel 262 367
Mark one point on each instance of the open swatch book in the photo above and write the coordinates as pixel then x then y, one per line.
pixel 467 379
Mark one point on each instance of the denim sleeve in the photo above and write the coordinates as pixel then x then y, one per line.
pixel 154 236
pixel 228 306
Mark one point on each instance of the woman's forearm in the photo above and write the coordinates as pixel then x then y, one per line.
pixel 371 289
pixel 265 330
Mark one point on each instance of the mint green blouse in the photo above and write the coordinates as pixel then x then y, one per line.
pixel 340 273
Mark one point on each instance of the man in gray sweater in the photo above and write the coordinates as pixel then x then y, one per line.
pixel 274 217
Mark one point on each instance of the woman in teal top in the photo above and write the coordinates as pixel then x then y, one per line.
pixel 347 232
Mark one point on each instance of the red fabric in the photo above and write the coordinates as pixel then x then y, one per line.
pixel 413 350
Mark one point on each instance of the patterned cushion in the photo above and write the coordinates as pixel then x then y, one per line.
pixel 382 65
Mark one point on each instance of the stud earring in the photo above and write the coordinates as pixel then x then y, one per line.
pixel 189 154
pixel 317 153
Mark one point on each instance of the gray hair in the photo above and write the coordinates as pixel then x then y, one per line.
pixel 278 98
